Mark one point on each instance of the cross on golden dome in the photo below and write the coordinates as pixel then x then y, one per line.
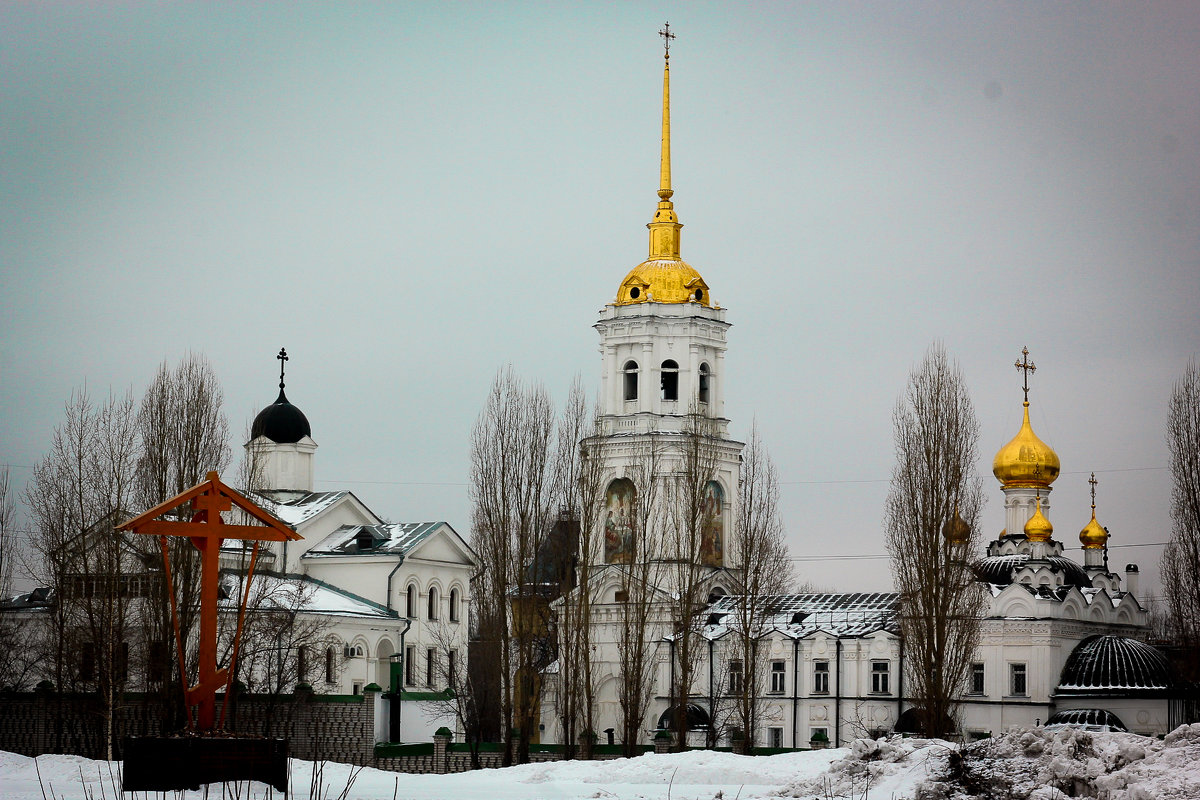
pixel 1092 480
pixel 667 36
pixel 1026 366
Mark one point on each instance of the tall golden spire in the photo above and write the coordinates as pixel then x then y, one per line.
pixel 664 229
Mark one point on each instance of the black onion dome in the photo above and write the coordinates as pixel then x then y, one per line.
pixel 999 569
pixel 1083 717
pixel 1115 665
pixel 281 422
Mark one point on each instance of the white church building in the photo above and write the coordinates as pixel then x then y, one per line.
pixel 1062 642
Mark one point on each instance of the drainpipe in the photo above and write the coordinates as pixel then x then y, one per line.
pixel 899 683
pixel 712 708
pixel 837 697
pixel 671 691
pixel 795 687
pixel 393 695
pixel 389 583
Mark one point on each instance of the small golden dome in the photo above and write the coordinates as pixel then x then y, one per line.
pixel 1093 536
pixel 663 281
pixel 1026 461
pixel 1038 528
pixel 956 530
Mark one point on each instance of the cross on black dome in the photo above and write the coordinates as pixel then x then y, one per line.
pixel 281 422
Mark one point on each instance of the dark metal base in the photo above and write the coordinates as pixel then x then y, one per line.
pixel 160 763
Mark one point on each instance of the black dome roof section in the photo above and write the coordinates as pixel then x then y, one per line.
pixel 999 570
pixel 281 422
pixel 1115 665
pixel 1083 717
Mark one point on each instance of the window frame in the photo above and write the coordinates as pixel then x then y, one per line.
pixel 431 604
pixel 778 677
pixel 703 390
pixel 737 676
pixel 631 381
pixel 1018 669
pixel 454 600
pixel 978 678
pixel 410 601
pixel 669 379
pixel 820 677
pixel 430 664
pixel 410 672
pixel 881 679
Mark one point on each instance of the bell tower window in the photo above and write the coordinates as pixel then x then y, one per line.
pixel 705 378
pixel 631 380
pixel 670 380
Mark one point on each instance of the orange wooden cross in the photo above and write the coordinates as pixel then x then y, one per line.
pixel 207 531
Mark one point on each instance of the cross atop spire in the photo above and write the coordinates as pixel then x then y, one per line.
pixel 283 357
pixel 1092 481
pixel 1026 366
pixel 667 36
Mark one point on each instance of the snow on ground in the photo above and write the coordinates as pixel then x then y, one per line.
pixel 1028 765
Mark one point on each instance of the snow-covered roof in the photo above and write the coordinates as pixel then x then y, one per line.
pixel 295 508
pixel 1109 665
pixel 275 592
pixel 390 539
pixel 800 615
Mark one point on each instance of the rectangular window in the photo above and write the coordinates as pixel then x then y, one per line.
pixel 358 687
pixel 156 662
pixel 302 664
pixel 778 678
pixel 977 678
pixel 880 677
pixel 430 658
pixel 1019 686
pixel 410 666
pixel 735 677
pixel 330 665
pixel 820 677
pixel 452 668
pixel 774 737
pixel 87 662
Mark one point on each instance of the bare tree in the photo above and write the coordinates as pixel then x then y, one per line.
pixel 693 544
pixel 1181 559
pixel 77 494
pixel 640 599
pixel 512 491
pixel 579 480
pixel 931 524
pixel 184 435
pixel 21 653
pixel 766 572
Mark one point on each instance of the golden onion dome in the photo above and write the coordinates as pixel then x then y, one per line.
pixel 1093 536
pixel 663 281
pixel 956 530
pixel 1026 461
pixel 1038 528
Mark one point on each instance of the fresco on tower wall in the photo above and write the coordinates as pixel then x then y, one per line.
pixel 618 522
pixel 712 541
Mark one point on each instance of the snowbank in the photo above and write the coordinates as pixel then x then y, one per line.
pixel 1036 764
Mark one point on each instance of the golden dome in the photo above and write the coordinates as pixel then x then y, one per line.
pixel 1038 528
pixel 956 530
pixel 1026 461
pixel 1093 536
pixel 663 281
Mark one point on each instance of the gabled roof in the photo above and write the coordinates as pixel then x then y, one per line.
pixel 296 508
pixel 388 539
pixel 800 615
pixel 279 592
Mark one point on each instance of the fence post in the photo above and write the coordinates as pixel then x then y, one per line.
pixel 441 750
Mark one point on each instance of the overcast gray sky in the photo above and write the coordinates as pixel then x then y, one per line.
pixel 410 196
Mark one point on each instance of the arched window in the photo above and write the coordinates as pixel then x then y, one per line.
pixel 433 602
pixel 712 540
pixel 410 602
pixel 454 605
pixel 704 381
pixel 670 380
pixel 631 380
pixel 330 665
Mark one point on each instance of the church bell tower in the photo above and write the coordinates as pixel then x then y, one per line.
pixel 662 343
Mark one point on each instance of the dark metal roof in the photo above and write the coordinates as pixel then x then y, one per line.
pixel 281 422
pixel 1086 717
pixel 800 615
pixel 1115 665
pixel 999 570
